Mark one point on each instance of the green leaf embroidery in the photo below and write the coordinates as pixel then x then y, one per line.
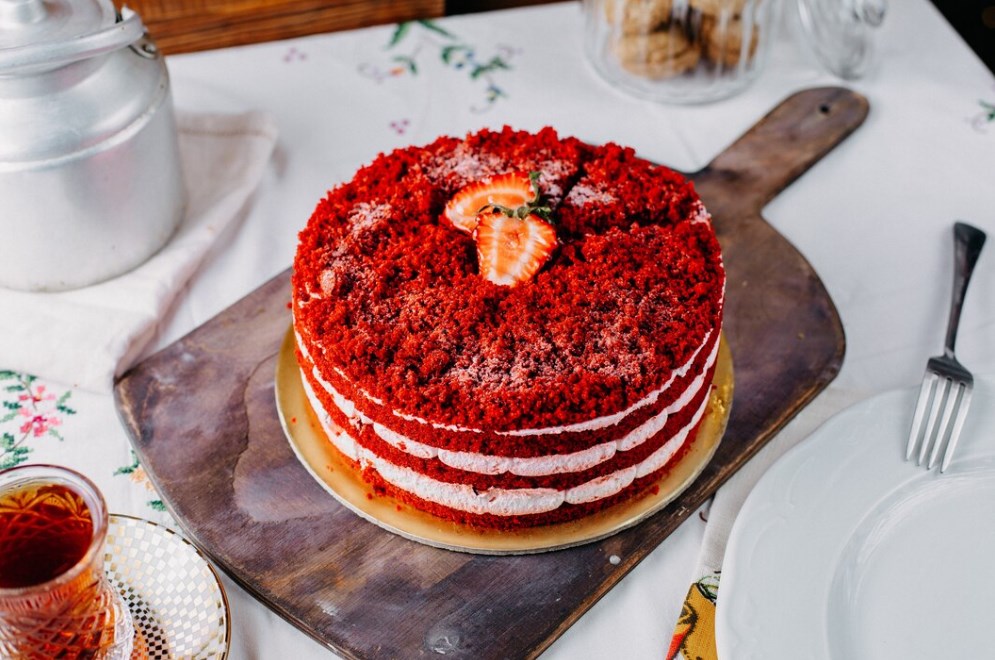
pixel 430 25
pixel 989 109
pixel 14 457
pixel 61 406
pixel 128 469
pixel 400 32
pixel 449 52
pixel 495 64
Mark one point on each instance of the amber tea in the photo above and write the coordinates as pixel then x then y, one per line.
pixel 45 529
pixel 55 600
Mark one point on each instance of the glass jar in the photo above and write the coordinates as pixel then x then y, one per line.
pixel 841 33
pixel 679 51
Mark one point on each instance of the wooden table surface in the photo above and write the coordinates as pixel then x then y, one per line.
pixel 180 26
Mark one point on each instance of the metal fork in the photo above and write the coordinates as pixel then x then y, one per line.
pixel 947 386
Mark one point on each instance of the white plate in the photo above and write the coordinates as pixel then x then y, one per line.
pixel 846 551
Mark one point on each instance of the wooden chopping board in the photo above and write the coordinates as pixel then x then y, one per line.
pixel 202 418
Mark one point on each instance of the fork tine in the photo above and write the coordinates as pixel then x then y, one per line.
pixel 920 413
pixel 942 387
pixel 953 383
pixel 965 401
pixel 953 397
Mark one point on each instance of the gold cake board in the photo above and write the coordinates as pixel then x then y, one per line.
pixel 337 476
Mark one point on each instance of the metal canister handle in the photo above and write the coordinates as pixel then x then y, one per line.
pixel 128 29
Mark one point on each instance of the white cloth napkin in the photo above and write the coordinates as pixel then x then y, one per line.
pixel 87 336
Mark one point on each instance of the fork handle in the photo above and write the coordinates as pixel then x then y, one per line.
pixel 968 242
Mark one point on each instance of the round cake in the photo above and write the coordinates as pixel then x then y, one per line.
pixel 509 329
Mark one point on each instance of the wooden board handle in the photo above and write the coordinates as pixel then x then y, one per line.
pixel 779 148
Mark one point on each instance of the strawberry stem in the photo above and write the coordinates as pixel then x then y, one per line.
pixel 535 206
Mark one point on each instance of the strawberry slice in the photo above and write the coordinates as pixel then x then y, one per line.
pixel 509 190
pixel 511 249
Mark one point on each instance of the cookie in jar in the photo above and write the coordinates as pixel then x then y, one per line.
pixel 680 51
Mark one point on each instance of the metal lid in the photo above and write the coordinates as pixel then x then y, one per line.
pixel 40 34
pixel 31 22
pixel 841 32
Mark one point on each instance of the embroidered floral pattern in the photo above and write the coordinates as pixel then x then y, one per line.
pixel 137 474
pixel 294 55
pixel 426 36
pixel 29 412
pixel 985 118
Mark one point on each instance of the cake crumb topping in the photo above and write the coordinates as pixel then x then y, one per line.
pixel 632 290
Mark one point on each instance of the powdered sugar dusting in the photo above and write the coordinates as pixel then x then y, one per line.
pixel 329 280
pixel 584 193
pixel 551 174
pixel 464 165
pixel 365 216
pixel 345 270
pixel 701 214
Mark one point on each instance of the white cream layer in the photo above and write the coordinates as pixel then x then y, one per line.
pixel 522 466
pixel 500 501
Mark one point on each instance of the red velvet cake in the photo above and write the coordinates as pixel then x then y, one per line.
pixel 509 329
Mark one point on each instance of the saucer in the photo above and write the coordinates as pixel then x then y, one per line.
pixel 175 596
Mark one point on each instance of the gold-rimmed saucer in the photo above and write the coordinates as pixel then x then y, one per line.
pixel 176 600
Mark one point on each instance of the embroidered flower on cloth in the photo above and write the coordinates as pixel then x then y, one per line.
pixel 983 119
pixel 29 412
pixel 411 40
pixel 136 473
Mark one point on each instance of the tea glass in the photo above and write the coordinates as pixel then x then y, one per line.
pixel 55 599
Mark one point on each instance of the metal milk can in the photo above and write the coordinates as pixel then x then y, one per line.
pixel 90 180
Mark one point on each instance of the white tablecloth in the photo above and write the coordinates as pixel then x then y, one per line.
pixel 873 218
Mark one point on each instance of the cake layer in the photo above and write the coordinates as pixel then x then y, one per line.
pixel 560 471
pixel 626 426
pixel 567 512
pixel 511 502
